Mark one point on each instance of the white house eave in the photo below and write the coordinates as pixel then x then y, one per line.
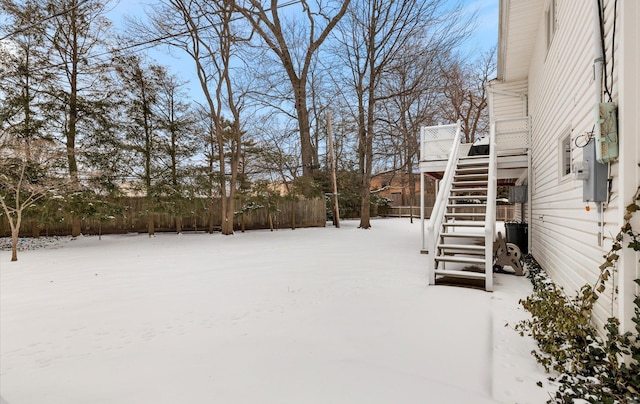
pixel 519 22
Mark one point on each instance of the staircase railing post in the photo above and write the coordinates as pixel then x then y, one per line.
pixel 437 214
pixel 490 220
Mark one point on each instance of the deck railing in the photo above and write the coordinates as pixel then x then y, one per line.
pixel 435 141
pixel 437 215
pixel 512 137
pixel 512 134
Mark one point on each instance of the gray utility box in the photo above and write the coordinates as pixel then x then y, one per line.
pixel 518 194
pixel 595 186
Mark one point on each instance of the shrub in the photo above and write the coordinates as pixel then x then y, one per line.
pixel 589 367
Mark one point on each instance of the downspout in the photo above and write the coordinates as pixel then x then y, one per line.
pixel 423 250
pixel 598 63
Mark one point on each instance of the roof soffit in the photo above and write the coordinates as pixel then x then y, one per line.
pixel 517 34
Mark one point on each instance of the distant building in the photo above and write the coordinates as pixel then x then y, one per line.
pixel 396 186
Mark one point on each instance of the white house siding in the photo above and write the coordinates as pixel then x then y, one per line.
pixel 507 100
pixel 628 41
pixel 561 101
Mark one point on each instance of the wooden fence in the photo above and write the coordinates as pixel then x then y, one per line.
pixel 286 214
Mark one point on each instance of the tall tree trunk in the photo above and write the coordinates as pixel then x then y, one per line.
pixel 227 217
pixel 15 229
pixel 225 227
pixel 212 219
pixel 297 68
pixel 306 148
pixel 365 206
pixel 362 160
pixel 73 120
pixel 14 244
pixel 369 133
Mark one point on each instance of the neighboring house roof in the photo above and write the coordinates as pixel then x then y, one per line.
pixel 519 24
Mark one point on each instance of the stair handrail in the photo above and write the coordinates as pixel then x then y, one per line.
pixel 439 207
pixel 490 220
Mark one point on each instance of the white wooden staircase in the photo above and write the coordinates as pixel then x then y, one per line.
pixel 460 249
pixel 460 239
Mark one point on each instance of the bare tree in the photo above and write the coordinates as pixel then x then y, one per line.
pixel 206 32
pixel 227 40
pixel 275 160
pixel 465 92
pixel 295 55
pixel 414 102
pixel 373 37
pixel 27 176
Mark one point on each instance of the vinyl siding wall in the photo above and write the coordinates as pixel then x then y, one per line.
pixel 505 101
pixel 561 102
pixel 628 40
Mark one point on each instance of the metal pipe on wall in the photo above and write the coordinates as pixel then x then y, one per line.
pixel 598 63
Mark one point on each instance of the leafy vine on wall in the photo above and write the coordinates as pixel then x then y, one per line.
pixel 586 366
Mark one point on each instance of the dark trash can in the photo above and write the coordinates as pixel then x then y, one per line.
pixel 517 233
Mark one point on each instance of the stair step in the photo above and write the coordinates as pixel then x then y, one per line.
pixel 465 224
pixel 479 236
pixel 466 205
pixel 461 260
pixel 471 166
pixel 473 161
pixel 472 247
pixel 461 274
pixel 458 214
pixel 468 197
pixel 454 210
pixel 472 183
pixel 472 170
pixel 462 253
pixel 469 189
pixel 477 156
pixel 471 176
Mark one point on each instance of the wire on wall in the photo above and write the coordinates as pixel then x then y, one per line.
pixel 583 140
pixel 613 43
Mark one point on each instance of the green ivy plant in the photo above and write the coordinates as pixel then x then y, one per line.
pixel 589 367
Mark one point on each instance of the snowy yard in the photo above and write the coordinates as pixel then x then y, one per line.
pixel 318 315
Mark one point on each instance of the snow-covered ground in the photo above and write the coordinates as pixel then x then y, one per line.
pixel 318 315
